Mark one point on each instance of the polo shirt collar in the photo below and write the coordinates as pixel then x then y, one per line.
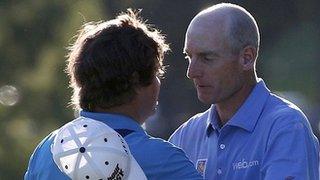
pixel 212 120
pixel 115 121
pixel 248 114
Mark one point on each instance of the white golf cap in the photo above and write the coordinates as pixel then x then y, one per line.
pixel 88 149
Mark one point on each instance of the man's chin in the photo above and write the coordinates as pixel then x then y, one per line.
pixel 154 110
pixel 205 100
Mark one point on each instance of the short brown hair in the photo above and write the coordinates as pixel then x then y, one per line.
pixel 110 59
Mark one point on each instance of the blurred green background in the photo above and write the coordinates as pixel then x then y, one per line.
pixel 34 91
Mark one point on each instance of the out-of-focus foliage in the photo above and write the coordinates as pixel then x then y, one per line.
pixel 33 37
pixel 34 34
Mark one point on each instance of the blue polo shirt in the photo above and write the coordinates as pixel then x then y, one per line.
pixel 267 138
pixel 158 158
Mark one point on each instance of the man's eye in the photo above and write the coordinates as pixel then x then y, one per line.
pixel 208 58
pixel 205 58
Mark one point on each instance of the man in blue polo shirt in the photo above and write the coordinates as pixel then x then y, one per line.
pixel 248 132
pixel 114 70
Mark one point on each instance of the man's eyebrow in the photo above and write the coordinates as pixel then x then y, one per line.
pixel 210 53
pixel 204 53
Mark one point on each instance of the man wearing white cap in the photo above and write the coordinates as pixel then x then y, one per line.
pixel 89 149
pixel 114 70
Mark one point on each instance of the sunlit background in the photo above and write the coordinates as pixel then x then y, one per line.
pixel 34 91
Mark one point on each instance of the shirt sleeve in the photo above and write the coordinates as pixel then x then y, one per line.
pixel 41 165
pixel 29 175
pixel 292 153
pixel 178 166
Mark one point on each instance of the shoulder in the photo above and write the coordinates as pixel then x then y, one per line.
pixel 41 159
pixel 44 145
pixel 195 124
pixel 161 159
pixel 151 149
pixel 197 121
pixel 290 143
pixel 285 119
pixel 284 112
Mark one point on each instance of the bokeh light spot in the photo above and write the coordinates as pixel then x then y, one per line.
pixel 9 95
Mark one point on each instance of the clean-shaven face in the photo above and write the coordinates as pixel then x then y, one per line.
pixel 150 97
pixel 215 71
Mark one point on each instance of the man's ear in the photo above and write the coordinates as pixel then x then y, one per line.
pixel 247 57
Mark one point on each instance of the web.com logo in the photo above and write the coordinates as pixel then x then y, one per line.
pixel 244 164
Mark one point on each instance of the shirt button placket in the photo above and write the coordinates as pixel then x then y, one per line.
pixel 222 146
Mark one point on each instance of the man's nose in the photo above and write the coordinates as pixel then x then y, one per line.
pixel 194 69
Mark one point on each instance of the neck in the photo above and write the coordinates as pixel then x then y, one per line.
pixel 125 109
pixel 228 107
